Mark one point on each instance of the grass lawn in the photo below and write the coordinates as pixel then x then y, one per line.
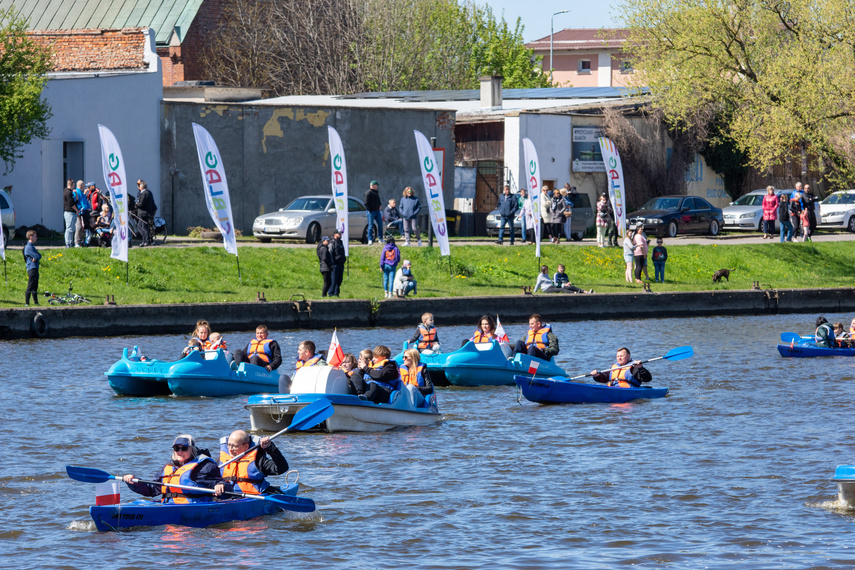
pixel 209 274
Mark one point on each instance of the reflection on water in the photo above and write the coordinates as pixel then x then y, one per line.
pixel 732 468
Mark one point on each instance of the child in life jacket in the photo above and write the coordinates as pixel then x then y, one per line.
pixel 426 336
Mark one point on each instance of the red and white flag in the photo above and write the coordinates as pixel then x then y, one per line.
pixel 501 335
pixel 107 493
pixel 335 354
pixel 532 367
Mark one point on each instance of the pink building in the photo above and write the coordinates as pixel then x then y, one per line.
pixel 586 57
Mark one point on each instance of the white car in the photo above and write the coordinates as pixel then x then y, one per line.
pixel 7 215
pixel 746 213
pixel 838 210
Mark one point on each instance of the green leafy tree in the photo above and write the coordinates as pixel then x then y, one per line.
pixel 23 73
pixel 781 73
pixel 499 50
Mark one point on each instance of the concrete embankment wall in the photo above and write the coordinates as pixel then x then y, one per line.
pixel 59 322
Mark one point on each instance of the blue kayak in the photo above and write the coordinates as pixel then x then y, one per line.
pixel 155 513
pixel 561 391
pixel 485 364
pixel 810 349
pixel 207 373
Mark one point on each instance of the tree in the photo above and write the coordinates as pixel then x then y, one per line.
pixel 500 51
pixel 777 74
pixel 23 74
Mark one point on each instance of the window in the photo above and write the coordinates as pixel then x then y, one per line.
pixel 584 66
pixel 354 206
pixel 4 205
pixel 626 67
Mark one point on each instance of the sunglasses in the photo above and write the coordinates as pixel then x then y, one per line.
pixel 180 448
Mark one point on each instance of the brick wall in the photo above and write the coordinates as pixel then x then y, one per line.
pixel 94 50
pixel 185 63
pixel 172 64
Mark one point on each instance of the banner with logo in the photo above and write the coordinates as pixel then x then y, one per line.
pixel 614 176
pixel 433 189
pixel 532 178
pixel 114 175
pixel 339 186
pixel 215 186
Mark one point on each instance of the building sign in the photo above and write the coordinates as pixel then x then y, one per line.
pixel 585 150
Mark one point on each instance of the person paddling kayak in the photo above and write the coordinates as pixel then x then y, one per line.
pixel 248 472
pixel 189 466
pixel 622 374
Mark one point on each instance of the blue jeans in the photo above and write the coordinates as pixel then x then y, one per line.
pixel 522 221
pixel 375 218
pixel 659 268
pixel 510 221
pixel 786 230
pixel 396 224
pixel 70 226
pixel 389 277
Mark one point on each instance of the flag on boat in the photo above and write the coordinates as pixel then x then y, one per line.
pixel 335 354
pixel 113 165
pixel 532 175
pixel 107 493
pixel 339 186
pixel 532 367
pixel 614 175
pixel 216 189
pixel 433 189
pixel 501 335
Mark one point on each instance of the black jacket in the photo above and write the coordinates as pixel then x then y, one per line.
pixel 508 205
pixel 270 461
pixel 324 257
pixel 387 373
pixel 68 203
pixel 145 203
pixel 337 252
pixel 205 474
pixel 372 200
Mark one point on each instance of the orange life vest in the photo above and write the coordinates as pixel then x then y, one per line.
pixel 261 348
pixel 412 376
pixel 311 362
pixel 244 472
pixel 208 345
pixel 617 377
pixel 540 337
pixel 427 336
pixel 851 330
pixel 181 476
pixel 480 336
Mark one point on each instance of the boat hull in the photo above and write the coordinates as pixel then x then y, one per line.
pixel 810 350
pixel 844 476
pixel 152 513
pixel 556 391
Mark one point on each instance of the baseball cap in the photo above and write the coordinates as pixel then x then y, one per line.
pixel 373 182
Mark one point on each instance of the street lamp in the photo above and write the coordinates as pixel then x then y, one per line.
pixel 551 36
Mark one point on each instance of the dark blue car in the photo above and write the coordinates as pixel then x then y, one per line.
pixel 672 215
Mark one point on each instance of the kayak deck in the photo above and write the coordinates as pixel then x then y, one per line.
pixel 552 391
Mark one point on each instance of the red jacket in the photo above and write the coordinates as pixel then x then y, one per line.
pixel 770 207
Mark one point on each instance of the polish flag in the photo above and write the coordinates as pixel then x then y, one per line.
pixel 532 367
pixel 500 332
pixel 335 354
pixel 107 493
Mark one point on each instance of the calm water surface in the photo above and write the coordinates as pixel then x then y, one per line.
pixel 732 469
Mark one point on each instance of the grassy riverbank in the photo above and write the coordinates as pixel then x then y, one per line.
pixel 209 274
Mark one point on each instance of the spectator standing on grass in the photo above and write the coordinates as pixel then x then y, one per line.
pixel 556 213
pixel 389 258
pixel 82 231
pixel 32 257
pixel 567 193
pixel 508 207
pixel 611 230
pixel 796 212
pixel 145 211
pixel 410 208
pixel 69 212
pixel 784 218
pixel 809 200
pixel 770 212
pixel 628 252
pixel 373 205
pixel 338 259
pixel 527 217
pixel 640 254
pixel 602 220
pixel 660 256
pixel 545 215
pixel 326 264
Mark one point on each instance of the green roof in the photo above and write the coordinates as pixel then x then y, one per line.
pixel 163 16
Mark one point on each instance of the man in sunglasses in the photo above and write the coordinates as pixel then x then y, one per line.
pixel 189 466
pixel 247 473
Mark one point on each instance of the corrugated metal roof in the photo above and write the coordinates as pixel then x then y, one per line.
pixel 161 15
pixel 475 94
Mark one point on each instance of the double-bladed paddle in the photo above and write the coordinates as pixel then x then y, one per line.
pixel 286 502
pixel 791 337
pixel 308 417
pixel 678 353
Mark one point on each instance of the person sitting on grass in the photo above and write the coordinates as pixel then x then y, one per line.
pixel 405 281
pixel 540 341
pixel 547 285
pixel 561 280
pixel 380 376
pixel 623 374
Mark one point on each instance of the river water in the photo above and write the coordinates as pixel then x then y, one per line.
pixel 732 469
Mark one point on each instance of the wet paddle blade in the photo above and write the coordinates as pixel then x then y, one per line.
pixel 679 353
pixel 312 415
pixel 291 503
pixel 87 474
pixel 788 337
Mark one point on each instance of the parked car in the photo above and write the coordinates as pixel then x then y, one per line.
pixel 310 218
pixel 671 215
pixel 583 217
pixel 838 210
pixel 7 215
pixel 746 213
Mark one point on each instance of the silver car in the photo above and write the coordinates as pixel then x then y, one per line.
pixel 838 210
pixel 746 213
pixel 310 218
pixel 7 215
pixel 583 217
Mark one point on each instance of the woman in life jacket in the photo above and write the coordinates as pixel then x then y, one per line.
pixel 414 373
pixel 623 374
pixel 189 466
pixel 486 330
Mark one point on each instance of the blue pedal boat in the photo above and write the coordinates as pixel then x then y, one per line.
pixel 154 513
pixel 844 476
pixel 207 373
pixel 486 364
pixel 561 391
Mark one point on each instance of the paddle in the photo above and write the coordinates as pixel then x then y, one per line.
pixel 308 417
pixel 678 353
pixel 789 337
pixel 286 502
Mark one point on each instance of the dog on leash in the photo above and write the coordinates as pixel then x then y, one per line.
pixel 717 276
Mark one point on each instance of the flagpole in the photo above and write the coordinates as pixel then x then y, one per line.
pixel 127 273
pixel 238 268
pixel 450 272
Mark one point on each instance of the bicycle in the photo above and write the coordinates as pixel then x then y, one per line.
pixel 158 230
pixel 69 298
